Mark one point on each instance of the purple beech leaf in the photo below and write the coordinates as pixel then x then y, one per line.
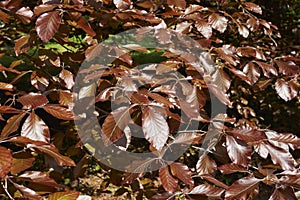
pixel 47 24
pixel 35 128
pixel 155 127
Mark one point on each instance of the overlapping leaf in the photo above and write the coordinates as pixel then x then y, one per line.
pixel 47 25
pixel 5 161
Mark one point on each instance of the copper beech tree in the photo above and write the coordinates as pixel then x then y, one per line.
pixel 254 153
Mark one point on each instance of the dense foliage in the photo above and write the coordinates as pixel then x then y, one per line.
pixel 253 152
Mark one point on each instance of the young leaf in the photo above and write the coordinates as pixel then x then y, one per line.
pixel 239 153
pixel 155 127
pixel 12 125
pixel 35 128
pixel 33 100
pixel 168 181
pixel 206 165
pixel 218 22
pixel 47 24
pixel 208 191
pixel 59 112
pixel 67 195
pixel 241 188
pixel 182 172
pixel 114 124
pixel 5 161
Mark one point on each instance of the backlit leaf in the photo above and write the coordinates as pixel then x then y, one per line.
pixel 168 181
pixel 35 128
pixel 25 14
pixel 47 24
pixel 5 161
pixel 155 127
pixel 238 152
pixel 268 69
pixel 252 72
pixel 67 77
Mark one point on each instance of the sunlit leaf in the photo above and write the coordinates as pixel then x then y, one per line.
pixel 155 127
pixel 47 24
pixel 168 181
pixel 182 172
pixel 67 195
pixel 218 22
pixel 33 100
pixel 206 165
pixel 35 128
pixel 59 112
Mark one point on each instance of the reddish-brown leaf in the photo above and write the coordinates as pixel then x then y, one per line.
pixel 188 138
pixel 218 22
pixel 177 3
pixel 291 178
pixel 206 165
pixel 21 45
pixel 284 90
pixel 35 128
pixel 93 51
pixel 59 112
pixel 238 152
pixel 248 134
pixel 189 102
pixel 213 180
pixel 219 93
pixel 21 161
pixel 286 138
pixel 4 17
pixel 287 68
pixel 253 7
pixel 286 193
pixel 268 69
pixel 27 192
pixel 40 178
pixel 232 168
pixel 242 187
pixel 182 172
pixel 136 47
pixel 281 157
pixel 66 98
pixel 208 191
pixel 39 82
pixel 8 109
pixel 122 4
pixel 163 35
pixel 12 125
pixel 67 195
pixel 250 52
pixel 243 31
pixel 67 77
pixel 33 100
pixel 84 25
pixel 25 141
pixel 6 86
pixel 160 99
pixel 155 127
pixel 115 124
pixel 47 24
pixel 168 181
pixel 52 151
pixel 38 10
pixel 25 14
pixel 252 72
pixel 5 161
pixel 204 28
